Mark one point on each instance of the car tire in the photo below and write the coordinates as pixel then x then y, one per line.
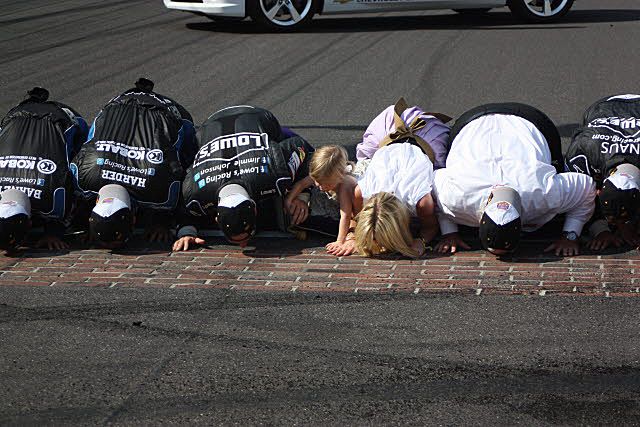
pixel 276 14
pixel 472 11
pixel 540 11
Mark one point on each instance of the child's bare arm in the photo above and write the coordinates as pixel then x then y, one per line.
pixel 346 206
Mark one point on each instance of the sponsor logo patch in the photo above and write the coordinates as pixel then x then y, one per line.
pixel 628 127
pixel 154 156
pixel 503 206
pixel 214 149
pixel 46 166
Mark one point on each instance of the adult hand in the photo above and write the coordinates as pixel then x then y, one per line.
pixel 299 211
pixel 52 243
pixel 627 233
pixel 564 247
pixel 449 243
pixel 287 203
pixel 347 248
pixel 182 244
pixel 603 241
pixel 158 233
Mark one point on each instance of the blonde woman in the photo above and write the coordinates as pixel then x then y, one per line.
pixel 383 226
pixel 396 185
pixel 329 171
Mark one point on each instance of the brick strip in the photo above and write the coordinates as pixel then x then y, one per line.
pixel 279 268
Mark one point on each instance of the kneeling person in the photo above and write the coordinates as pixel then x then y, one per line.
pixel 605 147
pixel 401 123
pixel 142 142
pixel 37 139
pixel 246 164
pixel 500 177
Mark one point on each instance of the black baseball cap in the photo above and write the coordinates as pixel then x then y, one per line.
pixel 236 212
pixel 620 193
pixel 501 223
pixel 15 215
pixel 112 218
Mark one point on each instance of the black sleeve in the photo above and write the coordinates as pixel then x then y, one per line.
pixel 577 159
pixel 154 217
pixel 191 217
pixel 597 223
pixel 297 153
pixel 54 227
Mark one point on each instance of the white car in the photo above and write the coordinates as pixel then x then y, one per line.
pixel 289 14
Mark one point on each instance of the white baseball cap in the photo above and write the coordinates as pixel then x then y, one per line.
pixel 14 202
pixel 232 195
pixel 504 206
pixel 625 177
pixel 111 199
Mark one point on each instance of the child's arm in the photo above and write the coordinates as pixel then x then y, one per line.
pixel 346 207
pixel 297 189
pixel 345 221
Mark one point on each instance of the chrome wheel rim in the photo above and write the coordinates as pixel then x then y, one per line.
pixel 545 8
pixel 285 13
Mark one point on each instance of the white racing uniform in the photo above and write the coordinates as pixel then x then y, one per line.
pixel 501 149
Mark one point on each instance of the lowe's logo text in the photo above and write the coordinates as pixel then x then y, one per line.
pixel 249 140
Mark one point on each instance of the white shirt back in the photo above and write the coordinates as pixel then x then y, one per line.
pixel 401 169
pixel 508 150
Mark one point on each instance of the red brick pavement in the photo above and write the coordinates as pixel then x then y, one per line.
pixel 279 265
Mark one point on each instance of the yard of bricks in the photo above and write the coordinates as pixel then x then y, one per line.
pixel 287 265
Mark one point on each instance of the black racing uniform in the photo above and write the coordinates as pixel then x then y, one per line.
pixel 608 136
pixel 37 140
pixel 247 146
pixel 143 141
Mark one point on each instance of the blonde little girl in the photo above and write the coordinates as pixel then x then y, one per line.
pixel 329 171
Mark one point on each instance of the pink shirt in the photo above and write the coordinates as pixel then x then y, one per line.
pixel 435 133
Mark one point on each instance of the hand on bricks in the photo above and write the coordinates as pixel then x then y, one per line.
pixel 564 247
pixel 449 243
pixel 183 243
pixel 603 241
pixel 333 246
pixel 345 249
pixel 52 243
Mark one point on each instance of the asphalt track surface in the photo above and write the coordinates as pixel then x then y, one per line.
pixel 109 354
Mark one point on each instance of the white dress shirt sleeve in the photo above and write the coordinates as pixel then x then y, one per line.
pixel 447 226
pixel 578 192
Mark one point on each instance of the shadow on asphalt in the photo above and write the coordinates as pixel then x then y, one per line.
pixel 490 21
